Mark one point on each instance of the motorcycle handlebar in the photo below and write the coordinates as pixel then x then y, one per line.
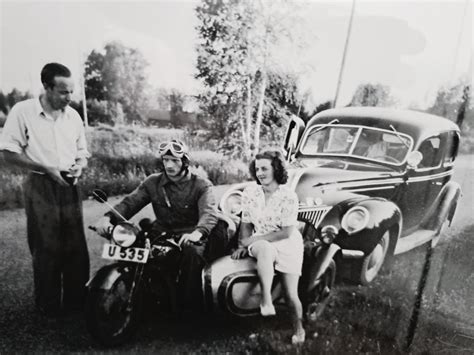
pixel 175 237
pixel 106 236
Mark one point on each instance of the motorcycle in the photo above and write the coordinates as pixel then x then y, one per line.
pixel 145 270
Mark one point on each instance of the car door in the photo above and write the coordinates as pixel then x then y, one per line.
pixel 424 183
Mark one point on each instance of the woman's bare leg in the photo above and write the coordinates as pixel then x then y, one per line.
pixel 265 255
pixel 290 283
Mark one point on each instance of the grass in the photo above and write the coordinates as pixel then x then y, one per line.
pixel 122 156
pixel 369 319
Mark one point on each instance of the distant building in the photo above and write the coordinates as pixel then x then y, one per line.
pixel 158 117
pixel 164 118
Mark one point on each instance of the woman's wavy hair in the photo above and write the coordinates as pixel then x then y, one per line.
pixel 280 171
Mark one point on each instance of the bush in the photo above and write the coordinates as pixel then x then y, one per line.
pixel 467 144
pixel 221 169
pixel 120 172
pixel 128 141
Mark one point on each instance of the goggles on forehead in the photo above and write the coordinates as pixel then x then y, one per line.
pixel 177 149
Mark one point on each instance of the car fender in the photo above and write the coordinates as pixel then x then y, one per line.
pixel 105 277
pixel 383 215
pixel 443 207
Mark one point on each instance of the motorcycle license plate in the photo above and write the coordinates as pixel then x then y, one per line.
pixel 114 252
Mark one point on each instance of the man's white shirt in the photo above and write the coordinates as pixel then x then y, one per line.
pixel 45 140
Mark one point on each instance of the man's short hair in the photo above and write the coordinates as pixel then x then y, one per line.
pixel 51 70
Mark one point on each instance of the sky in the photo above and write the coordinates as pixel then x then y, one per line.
pixel 414 47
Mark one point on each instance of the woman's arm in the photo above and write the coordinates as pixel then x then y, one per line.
pixel 283 233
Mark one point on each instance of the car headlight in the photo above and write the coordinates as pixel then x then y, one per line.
pixel 124 235
pixel 355 219
pixel 232 203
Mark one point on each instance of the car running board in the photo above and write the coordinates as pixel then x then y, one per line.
pixel 414 240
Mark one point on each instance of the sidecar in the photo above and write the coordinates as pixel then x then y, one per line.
pixel 232 286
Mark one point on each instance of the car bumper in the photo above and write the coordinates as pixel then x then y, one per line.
pixel 352 254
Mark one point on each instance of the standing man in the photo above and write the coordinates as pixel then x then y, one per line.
pixel 46 137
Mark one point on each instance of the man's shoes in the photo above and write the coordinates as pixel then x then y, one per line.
pixel 267 311
pixel 298 338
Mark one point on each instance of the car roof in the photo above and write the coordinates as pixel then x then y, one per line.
pixel 419 125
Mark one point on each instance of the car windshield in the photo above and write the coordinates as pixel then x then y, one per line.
pixel 357 141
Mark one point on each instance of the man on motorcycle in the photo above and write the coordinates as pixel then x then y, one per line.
pixel 182 202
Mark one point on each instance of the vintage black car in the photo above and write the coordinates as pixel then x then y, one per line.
pixel 380 179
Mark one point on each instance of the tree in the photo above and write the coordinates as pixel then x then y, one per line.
pixel 94 83
pixel 372 95
pixel 3 103
pixel 222 65
pixel 326 105
pixel 177 100
pixel 281 101
pixel 118 76
pixel 455 103
pixel 174 101
pixel 236 57
pixel 7 101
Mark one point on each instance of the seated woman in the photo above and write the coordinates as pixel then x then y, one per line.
pixel 268 233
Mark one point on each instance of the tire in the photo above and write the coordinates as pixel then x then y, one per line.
pixel 372 264
pixel 318 297
pixel 108 318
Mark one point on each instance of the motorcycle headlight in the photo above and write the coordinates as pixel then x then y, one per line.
pixel 355 219
pixel 328 234
pixel 124 235
pixel 232 203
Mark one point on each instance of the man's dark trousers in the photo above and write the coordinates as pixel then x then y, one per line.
pixel 57 244
pixel 193 260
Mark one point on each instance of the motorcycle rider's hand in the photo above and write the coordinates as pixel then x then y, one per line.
pixel 103 226
pixel 55 174
pixel 189 238
pixel 240 253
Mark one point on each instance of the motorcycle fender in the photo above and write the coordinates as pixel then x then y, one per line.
pixel 105 277
pixel 323 260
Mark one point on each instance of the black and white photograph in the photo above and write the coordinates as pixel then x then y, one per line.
pixel 236 176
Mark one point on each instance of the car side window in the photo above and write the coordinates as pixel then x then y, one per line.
pixel 432 153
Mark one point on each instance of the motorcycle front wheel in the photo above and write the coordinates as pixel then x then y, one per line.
pixel 112 315
pixel 318 296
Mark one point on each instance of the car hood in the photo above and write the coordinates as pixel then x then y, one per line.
pixel 328 186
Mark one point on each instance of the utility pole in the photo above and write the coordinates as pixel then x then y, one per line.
pixel 458 41
pixel 84 103
pixel 83 85
pixel 344 53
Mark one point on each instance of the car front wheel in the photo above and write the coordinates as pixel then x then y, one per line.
pixel 372 263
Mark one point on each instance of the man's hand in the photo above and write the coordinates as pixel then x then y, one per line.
pixel 103 226
pixel 55 174
pixel 188 238
pixel 240 253
pixel 75 170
